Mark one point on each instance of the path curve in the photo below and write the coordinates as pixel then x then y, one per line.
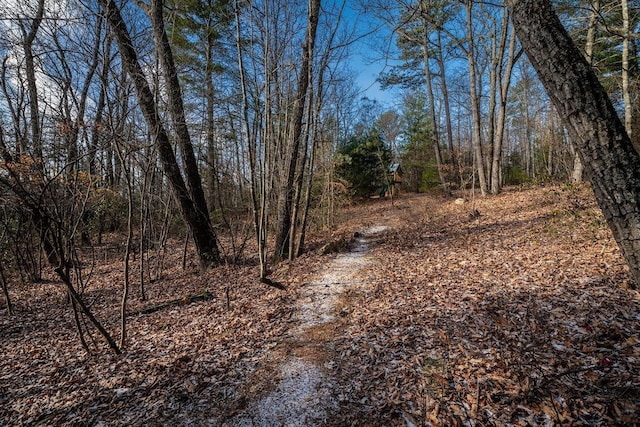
pixel 303 394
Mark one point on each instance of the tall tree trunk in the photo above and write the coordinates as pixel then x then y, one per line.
pixel 20 135
pixel 498 47
pixel 578 167
pixel 284 218
pixel 299 181
pixel 447 108
pixel 530 160
pixel 611 162
pixel 212 156
pixel 193 213
pixel 97 126
pixel 475 102
pixel 432 112
pixel 127 248
pixel 512 57
pixel 176 108
pixel 30 69
pixel 626 96
pixel 313 118
pixel 258 199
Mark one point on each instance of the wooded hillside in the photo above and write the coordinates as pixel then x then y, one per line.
pixel 520 315
pixel 206 217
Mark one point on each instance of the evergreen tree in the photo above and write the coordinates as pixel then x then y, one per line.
pixel 363 162
pixel 417 156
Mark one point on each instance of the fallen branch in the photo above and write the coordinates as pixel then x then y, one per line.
pixel 205 296
pixel 273 283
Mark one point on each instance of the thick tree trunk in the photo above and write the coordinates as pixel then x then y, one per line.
pixel 193 214
pixel 176 108
pixel 610 161
pixel 194 180
pixel 315 132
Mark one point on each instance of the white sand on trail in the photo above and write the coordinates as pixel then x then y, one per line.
pixel 303 395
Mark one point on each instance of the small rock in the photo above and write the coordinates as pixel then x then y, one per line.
pixel 122 392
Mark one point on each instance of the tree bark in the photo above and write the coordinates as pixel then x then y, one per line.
pixel 127 249
pixel 475 103
pixel 578 167
pixel 257 186
pixel 5 291
pixel 447 109
pixel 97 127
pixel 197 219
pixel 496 49
pixel 610 161
pixel 212 155
pixel 176 108
pixel 30 69
pixel 512 57
pixel 284 218
pixel 626 96
pixel 432 111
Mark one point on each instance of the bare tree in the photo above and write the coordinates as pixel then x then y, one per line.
pixel 504 75
pixel 257 185
pixel 285 214
pixel 435 132
pixel 28 38
pixel 444 87
pixel 578 168
pixel 127 248
pixel 470 51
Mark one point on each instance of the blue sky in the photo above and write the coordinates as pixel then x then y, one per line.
pixel 367 59
pixel 369 72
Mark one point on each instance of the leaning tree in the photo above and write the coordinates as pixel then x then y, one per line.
pixel 189 193
pixel 609 158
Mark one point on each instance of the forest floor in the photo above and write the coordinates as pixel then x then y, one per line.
pixel 522 315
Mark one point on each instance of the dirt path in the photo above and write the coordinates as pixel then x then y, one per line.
pixel 303 393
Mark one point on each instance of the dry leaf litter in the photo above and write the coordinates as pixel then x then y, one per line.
pixel 522 316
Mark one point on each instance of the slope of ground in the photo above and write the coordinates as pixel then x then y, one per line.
pixel 521 316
